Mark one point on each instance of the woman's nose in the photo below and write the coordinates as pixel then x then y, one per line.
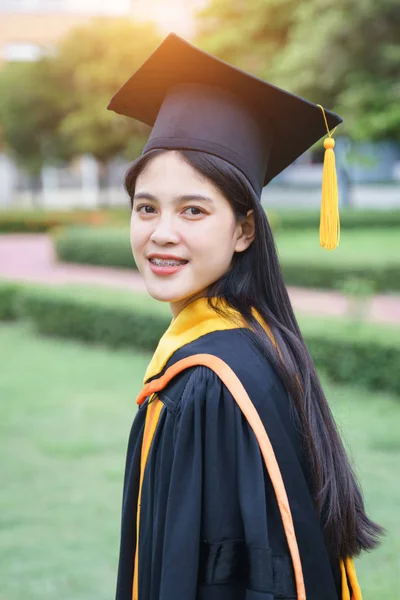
pixel 165 231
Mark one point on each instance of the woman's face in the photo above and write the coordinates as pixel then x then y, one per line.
pixel 179 216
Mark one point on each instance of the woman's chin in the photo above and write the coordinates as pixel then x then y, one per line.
pixel 170 294
pixel 162 294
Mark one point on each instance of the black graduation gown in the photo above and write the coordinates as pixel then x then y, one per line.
pixel 210 526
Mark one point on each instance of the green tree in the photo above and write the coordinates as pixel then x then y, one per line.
pixel 56 108
pixel 342 54
pixel 248 34
pixel 33 103
pixel 351 62
pixel 98 59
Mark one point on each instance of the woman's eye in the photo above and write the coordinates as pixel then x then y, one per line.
pixel 147 209
pixel 195 211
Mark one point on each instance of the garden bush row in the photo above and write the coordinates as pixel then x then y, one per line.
pixel 42 221
pixel 350 218
pixel 111 247
pixel 39 221
pixel 106 246
pixel 351 353
pixel 96 315
pixel 380 278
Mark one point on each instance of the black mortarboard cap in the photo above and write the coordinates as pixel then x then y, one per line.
pixel 195 101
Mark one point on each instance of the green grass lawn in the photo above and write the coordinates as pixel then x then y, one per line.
pixel 359 247
pixel 65 415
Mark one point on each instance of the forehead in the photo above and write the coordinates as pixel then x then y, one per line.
pixel 170 173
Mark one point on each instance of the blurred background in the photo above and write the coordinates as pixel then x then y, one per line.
pixel 76 326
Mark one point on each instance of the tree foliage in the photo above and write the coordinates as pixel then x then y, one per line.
pixel 33 101
pixel 247 34
pixel 98 59
pixel 56 108
pixel 342 54
pixel 351 62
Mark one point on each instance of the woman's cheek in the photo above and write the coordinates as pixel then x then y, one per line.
pixel 138 243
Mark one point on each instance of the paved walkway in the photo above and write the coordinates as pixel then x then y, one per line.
pixel 28 257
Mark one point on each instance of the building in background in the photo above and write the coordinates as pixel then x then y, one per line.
pixel 30 27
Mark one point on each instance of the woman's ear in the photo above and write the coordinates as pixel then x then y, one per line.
pixel 246 232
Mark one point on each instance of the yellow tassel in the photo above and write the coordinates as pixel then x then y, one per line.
pixel 329 229
pixel 345 586
pixel 349 576
pixel 351 571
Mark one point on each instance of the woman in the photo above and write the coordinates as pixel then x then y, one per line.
pixel 204 517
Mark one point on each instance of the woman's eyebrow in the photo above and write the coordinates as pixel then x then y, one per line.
pixel 178 199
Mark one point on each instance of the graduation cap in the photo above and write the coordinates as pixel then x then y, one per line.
pixel 195 101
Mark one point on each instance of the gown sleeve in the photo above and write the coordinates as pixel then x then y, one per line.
pixel 212 511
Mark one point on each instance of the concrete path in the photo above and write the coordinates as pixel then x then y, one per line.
pixel 27 257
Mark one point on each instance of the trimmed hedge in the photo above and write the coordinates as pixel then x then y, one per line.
pixel 359 354
pixel 383 278
pixel 9 292
pixel 97 316
pixel 106 246
pixel 350 218
pixel 364 354
pixel 111 247
pixel 42 221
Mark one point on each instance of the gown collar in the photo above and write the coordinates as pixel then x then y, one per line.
pixel 194 320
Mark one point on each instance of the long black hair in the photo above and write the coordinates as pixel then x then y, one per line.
pixel 255 279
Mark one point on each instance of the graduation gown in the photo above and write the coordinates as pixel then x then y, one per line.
pixel 200 519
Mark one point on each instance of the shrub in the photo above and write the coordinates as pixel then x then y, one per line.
pixel 384 277
pixel 8 300
pixel 348 352
pixel 350 218
pixel 42 221
pixel 97 315
pixel 110 246
pixel 102 238
pixel 353 352
pixel 107 246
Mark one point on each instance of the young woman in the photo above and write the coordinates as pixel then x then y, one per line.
pixel 223 502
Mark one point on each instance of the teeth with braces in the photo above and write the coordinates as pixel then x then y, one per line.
pixel 166 263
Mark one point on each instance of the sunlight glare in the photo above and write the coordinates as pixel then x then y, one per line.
pixel 169 15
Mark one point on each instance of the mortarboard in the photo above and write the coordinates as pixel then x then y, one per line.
pixel 195 101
